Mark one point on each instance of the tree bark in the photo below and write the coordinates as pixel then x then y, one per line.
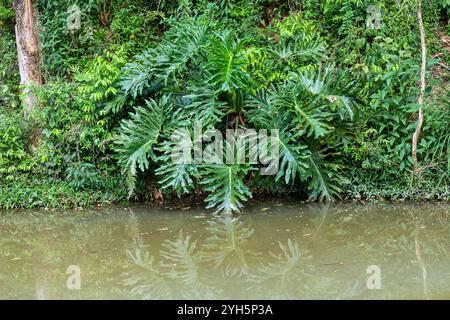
pixel 27 43
pixel 419 125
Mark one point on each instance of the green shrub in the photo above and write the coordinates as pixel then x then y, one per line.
pixel 15 159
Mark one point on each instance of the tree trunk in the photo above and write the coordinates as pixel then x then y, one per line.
pixel 423 43
pixel 27 43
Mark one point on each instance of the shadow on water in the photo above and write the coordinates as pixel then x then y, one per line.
pixel 273 251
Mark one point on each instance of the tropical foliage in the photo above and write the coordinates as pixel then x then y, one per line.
pixel 121 90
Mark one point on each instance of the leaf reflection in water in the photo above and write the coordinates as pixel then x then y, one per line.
pixel 293 252
pixel 225 260
pixel 226 247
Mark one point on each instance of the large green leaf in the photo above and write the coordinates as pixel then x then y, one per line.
pixel 299 48
pixel 325 177
pixel 159 66
pixel 137 136
pixel 308 119
pixel 330 87
pixel 226 187
pixel 226 61
pixel 176 173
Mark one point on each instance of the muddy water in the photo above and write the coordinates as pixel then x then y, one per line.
pixel 275 250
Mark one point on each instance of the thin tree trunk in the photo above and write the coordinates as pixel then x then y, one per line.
pixel 27 43
pixel 423 43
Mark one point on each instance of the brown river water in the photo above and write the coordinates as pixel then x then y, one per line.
pixel 273 250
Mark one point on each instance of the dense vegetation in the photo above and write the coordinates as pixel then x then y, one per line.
pixel 342 94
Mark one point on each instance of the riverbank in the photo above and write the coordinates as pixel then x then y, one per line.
pixel 339 94
pixel 59 194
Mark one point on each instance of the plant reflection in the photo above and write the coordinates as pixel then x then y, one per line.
pixel 223 264
pixel 270 252
pixel 227 264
